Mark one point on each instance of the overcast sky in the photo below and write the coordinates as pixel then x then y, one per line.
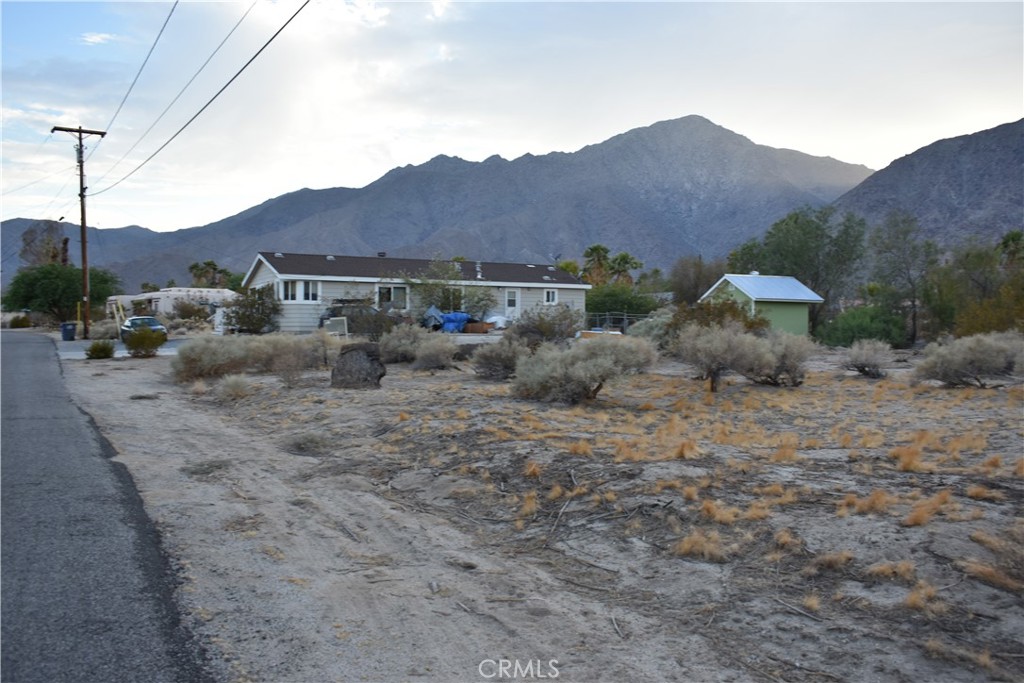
pixel 349 91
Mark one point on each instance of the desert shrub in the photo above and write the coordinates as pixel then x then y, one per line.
pixel 971 361
pixel 209 357
pixel 310 443
pixel 324 347
pixel 234 387
pixel 865 322
pixel 400 343
pixel 20 322
pixel 720 313
pixel 657 327
pixel 265 352
pixel 552 374
pixel 498 361
pixel 866 356
pixel 188 310
pixel 144 342
pixel 103 348
pixel 437 352
pixel 104 329
pixel 371 325
pixel 547 324
pixel 255 312
pixel 479 301
pixel 717 349
pixel 789 359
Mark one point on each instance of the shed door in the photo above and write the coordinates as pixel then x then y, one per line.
pixel 512 304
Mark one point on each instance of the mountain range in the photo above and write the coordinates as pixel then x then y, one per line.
pixel 675 188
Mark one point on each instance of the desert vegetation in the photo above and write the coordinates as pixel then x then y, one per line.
pixel 778 489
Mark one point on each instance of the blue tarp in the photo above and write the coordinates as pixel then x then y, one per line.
pixel 454 322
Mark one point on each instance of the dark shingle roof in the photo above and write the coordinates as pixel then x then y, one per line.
pixel 335 266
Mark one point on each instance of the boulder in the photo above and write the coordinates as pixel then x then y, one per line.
pixel 358 367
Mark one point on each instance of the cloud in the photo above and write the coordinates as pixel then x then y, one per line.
pixel 97 38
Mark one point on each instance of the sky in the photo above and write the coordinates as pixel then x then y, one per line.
pixel 350 90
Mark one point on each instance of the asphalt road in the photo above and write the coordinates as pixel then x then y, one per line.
pixel 86 591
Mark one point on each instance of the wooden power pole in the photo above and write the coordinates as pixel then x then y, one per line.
pixel 80 148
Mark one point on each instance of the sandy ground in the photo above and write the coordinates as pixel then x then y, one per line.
pixel 846 530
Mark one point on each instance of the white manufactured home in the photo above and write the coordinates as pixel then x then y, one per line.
pixel 306 284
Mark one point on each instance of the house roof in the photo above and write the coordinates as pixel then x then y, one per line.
pixel 338 267
pixel 769 288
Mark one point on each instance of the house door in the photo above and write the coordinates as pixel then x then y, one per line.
pixel 512 306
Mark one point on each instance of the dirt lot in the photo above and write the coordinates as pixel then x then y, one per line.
pixel 846 530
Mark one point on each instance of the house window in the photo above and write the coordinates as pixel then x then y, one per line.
pixel 451 299
pixel 299 290
pixel 393 297
pixel 512 298
pixel 550 297
pixel 289 290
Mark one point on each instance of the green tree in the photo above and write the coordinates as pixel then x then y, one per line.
pixel 254 312
pixel 595 264
pixel 209 274
pixel 902 261
pixel 149 287
pixel 57 290
pixel 692 276
pixel 620 265
pixel 652 281
pixel 569 266
pixel 618 297
pixel 435 286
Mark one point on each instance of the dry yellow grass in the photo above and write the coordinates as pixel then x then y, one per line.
pixel 690 493
pixel 892 570
pixel 529 504
pixel 811 602
pixel 877 501
pixel 990 575
pixel 688 450
pixel 909 459
pixel 757 510
pixel 831 561
pixel 924 510
pixel 531 469
pixel 785 540
pixel 556 492
pixel 979 492
pixel 704 546
pixel 924 597
pixel 581 447
pixel 719 513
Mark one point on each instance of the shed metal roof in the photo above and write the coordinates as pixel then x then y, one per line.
pixel 769 288
pixel 373 267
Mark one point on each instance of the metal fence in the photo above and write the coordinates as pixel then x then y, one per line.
pixel 613 321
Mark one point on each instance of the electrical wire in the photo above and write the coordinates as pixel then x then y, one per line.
pixel 180 93
pixel 136 79
pixel 205 106
pixel 37 180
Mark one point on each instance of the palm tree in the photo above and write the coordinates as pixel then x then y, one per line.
pixel 620 265
pixel 595 268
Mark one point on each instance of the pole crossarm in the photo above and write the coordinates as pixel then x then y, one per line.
pixel 82 132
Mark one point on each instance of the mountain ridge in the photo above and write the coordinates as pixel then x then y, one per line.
pixel 679 187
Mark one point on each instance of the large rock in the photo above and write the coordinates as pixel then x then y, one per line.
pixel 358 367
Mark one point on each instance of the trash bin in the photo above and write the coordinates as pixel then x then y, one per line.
pixel 67 331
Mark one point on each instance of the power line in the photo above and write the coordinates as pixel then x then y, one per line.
pixel 37 180
pixel 216 95
pixel 136 79
pixel 180 93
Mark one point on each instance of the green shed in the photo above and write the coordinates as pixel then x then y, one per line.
pixel 783 300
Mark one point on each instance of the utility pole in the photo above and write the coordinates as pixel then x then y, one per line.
pixel 80 148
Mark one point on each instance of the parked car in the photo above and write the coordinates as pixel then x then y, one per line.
pixel 139 321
